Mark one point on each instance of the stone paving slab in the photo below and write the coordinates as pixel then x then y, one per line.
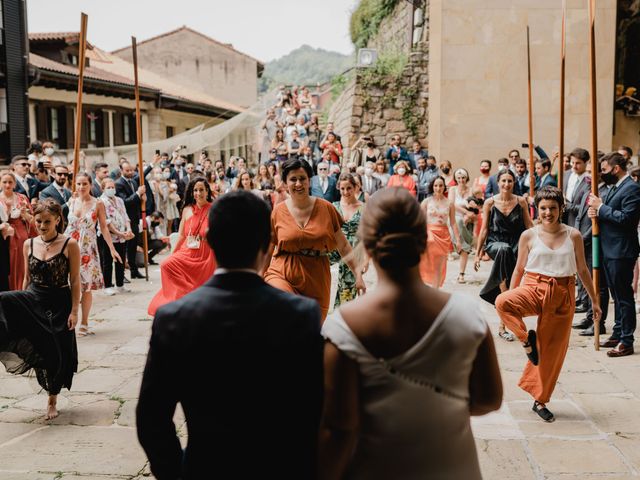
pixel 596 403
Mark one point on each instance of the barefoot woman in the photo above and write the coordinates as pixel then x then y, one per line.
pixel 549 256
pixel 37 324
pixel 305 230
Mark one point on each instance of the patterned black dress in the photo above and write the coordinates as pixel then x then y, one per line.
pixel 33 325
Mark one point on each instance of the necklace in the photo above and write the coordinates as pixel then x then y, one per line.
pixel 47 245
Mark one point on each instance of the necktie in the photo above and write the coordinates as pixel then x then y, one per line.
pixel 610 194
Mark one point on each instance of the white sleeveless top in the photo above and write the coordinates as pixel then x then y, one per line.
pixel 560 262
pixel 415 407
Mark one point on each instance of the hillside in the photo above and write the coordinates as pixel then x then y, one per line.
pixel 305 65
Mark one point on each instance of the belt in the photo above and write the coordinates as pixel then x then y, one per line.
pixel 552 282
pixel 306 252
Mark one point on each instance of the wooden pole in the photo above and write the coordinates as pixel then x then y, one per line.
pixel 82 47
pixel 562 81
pixel 143 203
pixel 532 163
pixel 594 163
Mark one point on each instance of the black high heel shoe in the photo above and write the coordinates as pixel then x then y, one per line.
pixel 533 345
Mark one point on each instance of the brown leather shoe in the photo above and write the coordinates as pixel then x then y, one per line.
pixel 610 343
pixel 620 351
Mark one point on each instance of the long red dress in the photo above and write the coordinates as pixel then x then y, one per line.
pixel 16 258
pixel 187 268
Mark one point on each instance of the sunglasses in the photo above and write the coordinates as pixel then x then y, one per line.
pixel 62 174
pixel 323 169
pixel 22 164
pixel 514 156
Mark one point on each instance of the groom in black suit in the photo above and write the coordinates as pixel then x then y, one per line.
pixel 243 358
pixel 618 213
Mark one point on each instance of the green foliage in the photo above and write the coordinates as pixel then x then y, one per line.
pixel 410 119
pixel 304 66
pixel 384 75
pixel 366 18
pixel 338 84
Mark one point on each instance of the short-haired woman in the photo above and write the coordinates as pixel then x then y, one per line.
pixel 305 230
pixel 192 261
pixel 37 324
pixel 543 284
pixel 406 367
pixel 402 178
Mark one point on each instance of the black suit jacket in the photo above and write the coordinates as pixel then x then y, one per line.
pixel 618 217
pixel 96 189
pixel 572 208
pixel 52 192
pixel 35 187
pixel 259 352
pixel 331 195
pixel 132 201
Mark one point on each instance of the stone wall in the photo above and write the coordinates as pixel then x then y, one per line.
pixel 394 31
pixel 341 114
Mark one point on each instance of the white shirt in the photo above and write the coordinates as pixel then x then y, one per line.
pixel 559 262
pixel 24 183
pixel 324 184
pixel 573 182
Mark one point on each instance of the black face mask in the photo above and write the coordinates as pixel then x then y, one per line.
pixel 431 167
pixel 609 178
pixel 445 170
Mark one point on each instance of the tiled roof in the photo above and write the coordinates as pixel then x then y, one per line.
pixel 69 37
pixel 191 30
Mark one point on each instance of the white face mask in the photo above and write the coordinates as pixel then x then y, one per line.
pixel 48 151
pixel 402 171
pixel 368 172
pixel 166 175
pixel 110 192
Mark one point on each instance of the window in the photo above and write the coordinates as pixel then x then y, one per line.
pixel 170 132
pixel 55 130
pixel 126 129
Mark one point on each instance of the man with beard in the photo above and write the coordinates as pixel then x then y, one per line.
pixel 426 173
pixel 323 185
pixel 57 190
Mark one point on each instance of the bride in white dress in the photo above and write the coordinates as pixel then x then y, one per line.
pixel 405 366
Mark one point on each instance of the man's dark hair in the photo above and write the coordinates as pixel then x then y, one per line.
pixel 486 161
pixel 157 214
pixel 580 154
pixel 546 163
pixel 613 159
pixel 626 149
pixel 521 161
pixel 295 164
pixel 100 165
pixel 503 161
pixel 239 228
pixel 18 158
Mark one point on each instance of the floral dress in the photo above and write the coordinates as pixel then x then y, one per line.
pixel 83 230
pixel 346 279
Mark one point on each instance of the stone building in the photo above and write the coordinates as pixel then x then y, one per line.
pixel 467 69
pixel 203 64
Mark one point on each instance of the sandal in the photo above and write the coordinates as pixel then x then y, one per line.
pixel 84 331
pixel 461 278
pixel 532 345
pixel 543 412
pixel 507 336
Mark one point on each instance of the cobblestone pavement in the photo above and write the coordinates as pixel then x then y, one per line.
pixel 596 403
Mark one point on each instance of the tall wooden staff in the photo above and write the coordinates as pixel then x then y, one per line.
pixel 82 46
pixel 143 203
pixel 595 229
pixel 532 163
pixel 562 78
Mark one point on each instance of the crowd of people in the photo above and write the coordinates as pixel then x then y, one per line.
pixel 247 234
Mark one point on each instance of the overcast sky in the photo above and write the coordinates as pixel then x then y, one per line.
pixel 264 29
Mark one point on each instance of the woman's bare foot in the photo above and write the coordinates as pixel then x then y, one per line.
pixel 52 411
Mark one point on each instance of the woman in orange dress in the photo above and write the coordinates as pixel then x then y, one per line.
pixel 440 215
pixel 480 183
pixel 192 262
pixel 21 220
pixel 304 231
pixel 402 178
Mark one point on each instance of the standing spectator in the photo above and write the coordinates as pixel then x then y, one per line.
pixel 313 133
pixel 381 172
pixel 392 379
pixel 100 172
pixel 57 190
pixel 543 174
pixel 157 239
pixel 626 152
pixel 396 152
pixel 574 186
pixel 447 174
pixel 6 232
pixel 301 128
pixel 282 353
pixel 119 227
pixel 370 183
pixel 333 147
pixel 20 219
pixel 25 184
pixel 280 146
pixel 364 150
pixel 264 179
pixel 618 215
pixel 521 186
pixel 49 159
pixel 402 178
pixel 295 145
pixel 330 129
pixel 426 174
pixel 307 156
pixel 324 185
pixel 417 153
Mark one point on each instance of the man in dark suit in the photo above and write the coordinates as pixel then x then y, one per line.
pixel 583 224
pixel 100 172
pixel 618 214
pixel 324 185
pixel 128 188
pixel 257 347
pixel 521 187
pixel 370 184
pixel 543 174
pixel 57 190
pixel 25 184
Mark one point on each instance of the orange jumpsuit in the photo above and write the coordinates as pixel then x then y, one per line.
pixel 300 262
pixel 553 300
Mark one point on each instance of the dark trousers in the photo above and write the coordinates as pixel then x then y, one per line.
pixel 604 288
pixel 619 273
pixel 155 247
pixel 106 261
pixel 132 248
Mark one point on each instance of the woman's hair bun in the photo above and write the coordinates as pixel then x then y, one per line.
pixel 397 250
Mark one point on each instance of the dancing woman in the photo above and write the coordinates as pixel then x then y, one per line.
pixel 465 219
pixel 37 324
pixel 440 215
pixel 549 256
pixel 305 230
pixel 85 212
pixel 506 217
pixel 192 261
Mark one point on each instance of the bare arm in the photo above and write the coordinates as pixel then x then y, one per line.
pixel 584 273
pixel 523 254
pixel 454 226
pixel 181 236
pixel 345 250
pixel 73 254
pixel 485 382
pixel 341 417
pixel 484 231
pixel 25 253
pixel 525 212
pixel 104 229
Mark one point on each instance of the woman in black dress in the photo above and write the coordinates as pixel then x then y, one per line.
pixel 507 217
pixel 37 324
